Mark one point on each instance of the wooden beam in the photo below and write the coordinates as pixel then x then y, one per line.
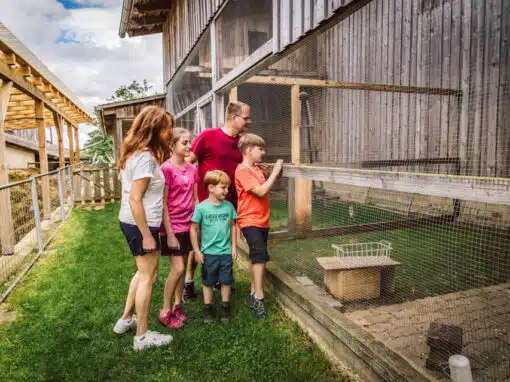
pixel 289 81
pixel 300 190
pixel 117 139
pixel 476 189
pixel 71 145
pixel 232 95
pixel 6 226
pixel 153 5
pixel 43 158
pixel 143 31
pixel 148 19
pixel 28 88
pixel 77 143
pixel 57 120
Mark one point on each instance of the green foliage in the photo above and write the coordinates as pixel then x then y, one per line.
pixel 99 147
pixel 67 306
pixel 134 90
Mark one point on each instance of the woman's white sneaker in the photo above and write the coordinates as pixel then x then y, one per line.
pixel 123 326
pixel 150 339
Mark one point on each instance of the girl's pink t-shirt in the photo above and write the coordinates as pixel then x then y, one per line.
pixel 180 201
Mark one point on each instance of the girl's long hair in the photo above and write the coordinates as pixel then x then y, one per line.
pixel 151 129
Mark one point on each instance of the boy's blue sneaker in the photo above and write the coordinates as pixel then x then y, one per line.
pixel 251 300
pixel 259 309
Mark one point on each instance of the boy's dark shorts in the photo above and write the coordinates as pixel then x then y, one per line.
pixel 184 245
pixel 135 240
pixel 217 269
pixel 256 238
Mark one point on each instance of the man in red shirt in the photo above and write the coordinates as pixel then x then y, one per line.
pixel 217 149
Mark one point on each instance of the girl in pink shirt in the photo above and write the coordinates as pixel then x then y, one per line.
pixel 180 197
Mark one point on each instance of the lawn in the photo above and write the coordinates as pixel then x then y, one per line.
pixel 67 305
pixel 436 259
pixel 332 213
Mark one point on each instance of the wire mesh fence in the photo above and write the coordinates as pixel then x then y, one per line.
pixel 31 211
pixel 395 121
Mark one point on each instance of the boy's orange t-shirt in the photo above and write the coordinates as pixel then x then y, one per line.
pixel 251 210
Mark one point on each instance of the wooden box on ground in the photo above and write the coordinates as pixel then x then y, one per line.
pixel 358 277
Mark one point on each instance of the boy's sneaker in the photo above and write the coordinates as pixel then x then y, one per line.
pixel 150 339
pixel 208 314
pixel 179 313
pixel 251 300
pixel 259 309
pixel 170 320
pixel 225 313
pixel 123 326
pixel 189 291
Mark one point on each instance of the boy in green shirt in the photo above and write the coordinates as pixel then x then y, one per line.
pixel 216 219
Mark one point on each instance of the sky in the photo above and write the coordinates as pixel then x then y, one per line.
pixel 79 41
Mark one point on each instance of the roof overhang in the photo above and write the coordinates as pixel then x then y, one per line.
pixel 143 17
pixel 34 82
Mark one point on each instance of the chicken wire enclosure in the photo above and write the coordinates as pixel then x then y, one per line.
pixel 194 77
pixel 241 29
pixel 382 119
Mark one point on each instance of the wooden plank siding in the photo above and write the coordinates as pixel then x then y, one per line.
pixel 454 44
pixel 186 21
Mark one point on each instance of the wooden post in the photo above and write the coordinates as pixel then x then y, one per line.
pixel 61 156
pixel 71 145
pixel 300 190
pixel 7 226
pixel 117 139
pixel 77 143
pixel 43 158
pixel 233 95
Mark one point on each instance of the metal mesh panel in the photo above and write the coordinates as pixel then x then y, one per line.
pixel 193 79
pixel 395 121
pixel 241 29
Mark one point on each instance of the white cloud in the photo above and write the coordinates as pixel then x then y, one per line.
pixel 100 61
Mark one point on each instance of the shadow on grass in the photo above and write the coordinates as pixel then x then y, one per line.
pixel 68 304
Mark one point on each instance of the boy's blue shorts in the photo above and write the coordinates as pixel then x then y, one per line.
pixel 217 268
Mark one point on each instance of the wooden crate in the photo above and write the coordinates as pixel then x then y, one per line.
pixel 357 277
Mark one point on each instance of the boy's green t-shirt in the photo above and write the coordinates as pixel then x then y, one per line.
pixel 215 222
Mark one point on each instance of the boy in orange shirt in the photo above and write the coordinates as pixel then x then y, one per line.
pixel 253 212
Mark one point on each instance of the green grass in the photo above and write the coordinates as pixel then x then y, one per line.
pixel 332 213
pixel 66 308
pixel 436 259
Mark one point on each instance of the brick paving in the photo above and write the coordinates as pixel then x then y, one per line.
pixel 482 313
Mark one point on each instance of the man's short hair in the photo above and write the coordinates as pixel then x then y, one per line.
pixel 250 140
pixel 215 177
pixel 235 107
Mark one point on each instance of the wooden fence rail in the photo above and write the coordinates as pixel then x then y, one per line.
pixel 96 184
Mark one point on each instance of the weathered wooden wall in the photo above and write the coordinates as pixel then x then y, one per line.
pixel 186 21
pixel 457 44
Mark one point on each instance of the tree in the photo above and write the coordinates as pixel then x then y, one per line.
pixel 132 91
pixel 99 147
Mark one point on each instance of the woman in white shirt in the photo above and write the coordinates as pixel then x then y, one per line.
pixel 146 147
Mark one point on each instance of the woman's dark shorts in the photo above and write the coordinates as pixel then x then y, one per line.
pixel 217 269
pixel 256 238
pixel 134 238
pixel 184 245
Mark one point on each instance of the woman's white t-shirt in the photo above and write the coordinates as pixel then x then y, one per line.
pixel 138 166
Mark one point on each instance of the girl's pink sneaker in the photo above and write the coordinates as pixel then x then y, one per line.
pixel 170 320
pixel 179 313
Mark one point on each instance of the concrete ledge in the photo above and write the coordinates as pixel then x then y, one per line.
pixel 338 336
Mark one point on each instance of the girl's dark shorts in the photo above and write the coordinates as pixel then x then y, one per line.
pixel 134 238
pixel 184 245
pixel 256 238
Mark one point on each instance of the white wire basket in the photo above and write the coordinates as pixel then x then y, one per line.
pixel 380 249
